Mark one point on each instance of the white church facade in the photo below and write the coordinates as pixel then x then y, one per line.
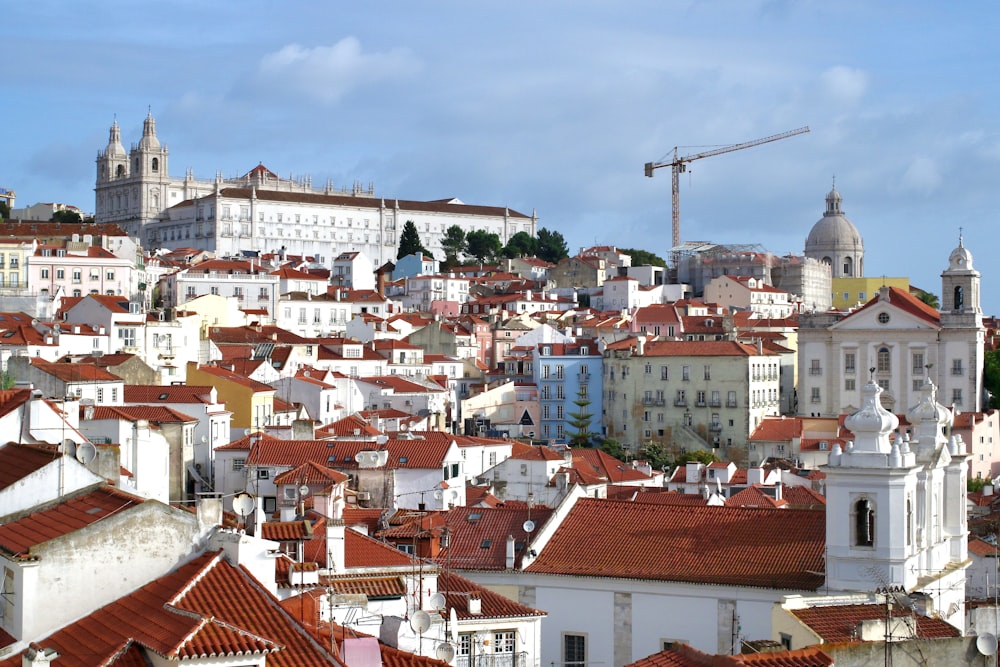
pixel 903 341
pixel 264 213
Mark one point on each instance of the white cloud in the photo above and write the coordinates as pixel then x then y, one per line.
pixel 922 175
pixel 845 84
pixel 328 73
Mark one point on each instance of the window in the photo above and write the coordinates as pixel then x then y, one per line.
pixel 731 399
pixel 238 464
pixel 956 396
pixel 956 367
pixel 574 652
pixel 664 372
pixel 77 275
pixel 708 372
pixel 60 274
pixel 814 367
pixel 263 473
pixel 883 364
pixel 864 523
pixel 814 395
pixel 849 384
pixel 883 318
pixel 559 372
pixel 45 273
pixel 685 373
pixel 649 369
pixel 503 641
pixel 918 363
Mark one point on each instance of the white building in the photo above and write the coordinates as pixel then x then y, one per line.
pixel 904 341
pixel 260 211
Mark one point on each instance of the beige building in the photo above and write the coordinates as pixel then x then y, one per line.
pixel 900 342
pixel 749 293
pixel 688 394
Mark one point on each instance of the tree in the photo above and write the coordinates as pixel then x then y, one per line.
pixel 454 244
pixel 409 241
pixel 642 257
pixel 612 447
pixel 579 420
pixel 67 216
pixel 991 376
pixel 551 246
pixel 928 298
pixel 4 210
pixel 521 244
pixel 698 455
pixel 483 245
pixel 655 454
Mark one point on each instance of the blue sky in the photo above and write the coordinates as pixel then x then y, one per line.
pixel 545 106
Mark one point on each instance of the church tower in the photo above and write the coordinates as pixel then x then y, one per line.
pixel 896 507
pixel 132 189
pixel 963 336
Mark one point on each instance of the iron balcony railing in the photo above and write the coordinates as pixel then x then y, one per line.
pixel 519 659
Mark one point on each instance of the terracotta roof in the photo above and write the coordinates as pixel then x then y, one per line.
pixel 17 537
pixel 777 429
pixel 270 451
pixel 982 548
pixel 684 655
pixel 68 372
pixel 363 551
pixel 456 591
pixel 261 333
pixel 906 302
pixel 735 546
pixel 701 348
pixel 286 531
pixel 478 539
pixel 311 473
pixel 206 608
pixel 157 414
pixel 837 624
pixel 351 425
pixel 753 496
pixel 373 586
pixel 230 376
pixel 171 393
pixel 17 461
pixel 802 496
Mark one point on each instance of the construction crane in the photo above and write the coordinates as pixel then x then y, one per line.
pixel 679 165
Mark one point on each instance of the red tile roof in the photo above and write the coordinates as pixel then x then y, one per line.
pixel 313 474
pixel 478 535
pixel 206 608
pixel 173 393
pixel 756 547
pixel 684 655
pixel 68 372
pixel 906 302
pixel 837 624
pixel 270 451
pixel 157 414
pixel 18 537
pixel 456 590
pixel 17 461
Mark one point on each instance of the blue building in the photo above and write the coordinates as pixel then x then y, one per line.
pixel 563 373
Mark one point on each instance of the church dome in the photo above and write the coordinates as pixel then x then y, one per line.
pixel 960 258
pixel 833 231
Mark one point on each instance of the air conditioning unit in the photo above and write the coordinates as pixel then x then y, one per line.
pixel 364 495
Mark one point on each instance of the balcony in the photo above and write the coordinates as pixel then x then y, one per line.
pixel 658 402
pixel 492 660
pixel 731 404
pixel 583 378
pixel 815 370
pixel 680 402
pixel 699 404
pixel 715 427
pixel 715 403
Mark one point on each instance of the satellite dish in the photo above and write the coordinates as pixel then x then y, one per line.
pixel 986 644
pixel 243 504
pixel 453 627
pixel 420 622
pixel 85 453
pixel 438 495
pixel 382 439
pixel 436 601
pixel 304 490
pixel 445 652
pixel 247 431
pixel 529 526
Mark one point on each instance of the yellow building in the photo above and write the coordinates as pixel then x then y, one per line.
pixel 251 402
pixel 852 292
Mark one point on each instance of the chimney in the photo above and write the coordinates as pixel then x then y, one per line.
pixel 36 656
pixel 475 604
pixel 209 513
pixel 987 490
pixel 510 552
pixel 335 534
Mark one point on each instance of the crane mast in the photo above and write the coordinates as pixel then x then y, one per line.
pixel 679 165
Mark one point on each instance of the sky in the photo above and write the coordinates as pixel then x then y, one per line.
pixel 550 107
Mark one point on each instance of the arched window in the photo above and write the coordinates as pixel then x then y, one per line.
pixel 884 361
pixel 959 297
pixel 847 266
pixel 864 523
pixel 120 171
pixel 827 261
pixel 155 164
